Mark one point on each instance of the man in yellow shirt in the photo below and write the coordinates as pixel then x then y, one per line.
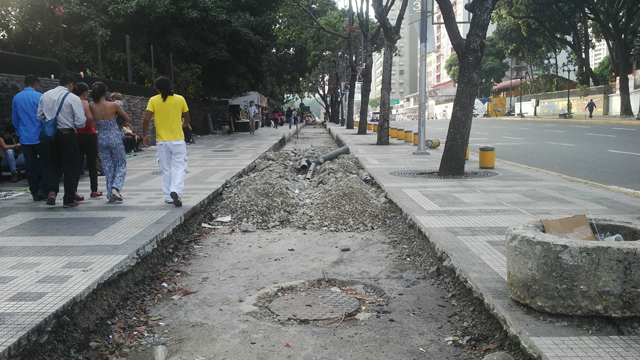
pixel 168 110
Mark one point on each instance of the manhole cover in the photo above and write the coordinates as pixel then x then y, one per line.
pixel 314 305
pixel 433 174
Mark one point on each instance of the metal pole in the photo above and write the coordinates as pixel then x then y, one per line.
pixel 511 86
pixel 568 91
pixel 46 28
pixel 99 50
pixel 422 76
pixel 521 96
pixel 172 80
pixel 129 72
pixel 153 67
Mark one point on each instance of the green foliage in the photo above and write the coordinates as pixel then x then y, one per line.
pixel 452 67
pixel 493 66
pixel 604 71
pixel 374 103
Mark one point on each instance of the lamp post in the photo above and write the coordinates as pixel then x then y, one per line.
pixel 522 76
pixel 511 85
pixel 568 70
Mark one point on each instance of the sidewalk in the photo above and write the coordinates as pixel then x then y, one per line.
pixel 51 258
pixel 468 219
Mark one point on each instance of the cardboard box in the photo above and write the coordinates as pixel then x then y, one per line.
pixel 576 226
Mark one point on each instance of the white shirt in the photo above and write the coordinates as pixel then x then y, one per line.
pixel 252 111
pixel 71 114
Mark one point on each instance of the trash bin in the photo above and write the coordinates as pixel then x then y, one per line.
pixel 408 136
pixel 487 157
pixel 369 127
pixel 415 139
pixel 467 157
pixel 400 134
pixel 392 132
pixel 432 143
pixel 375 127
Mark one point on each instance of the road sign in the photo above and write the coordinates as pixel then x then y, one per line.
pixel 394 101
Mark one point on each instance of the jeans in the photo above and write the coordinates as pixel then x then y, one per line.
pixel 290 121
pixel 11 162
pixel 35 158
pixel 63 159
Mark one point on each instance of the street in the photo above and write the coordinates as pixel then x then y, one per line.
pixel 603 153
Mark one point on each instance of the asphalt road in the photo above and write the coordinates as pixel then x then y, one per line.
pixel 603 153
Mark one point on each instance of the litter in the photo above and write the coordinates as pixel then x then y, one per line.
pixel 205 225
pixel 223 218
pixel 576 226
pixel 160 352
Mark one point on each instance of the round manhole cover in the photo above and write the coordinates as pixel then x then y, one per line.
pixel 314 305
pixel 433 174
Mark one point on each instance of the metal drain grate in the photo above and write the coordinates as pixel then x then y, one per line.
pixel 314 305
pixel 433 174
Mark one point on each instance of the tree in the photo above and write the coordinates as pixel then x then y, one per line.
pixel 604 71
pixel 469 51
pixel 391 37
pixel 493 66
pixel 375 102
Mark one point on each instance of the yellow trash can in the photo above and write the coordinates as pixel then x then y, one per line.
pixel 415 139
pixel 487 157
pixel 356 123
pixel 408 136
pixel 432 143
pixel 392 132
pixel 369 127
pixel 467 158
pixel 400 134
pixel 375 127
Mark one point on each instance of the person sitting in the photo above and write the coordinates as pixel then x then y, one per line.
pixel 10 152
pixel 132 141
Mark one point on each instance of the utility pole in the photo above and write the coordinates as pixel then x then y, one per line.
pixel 422 108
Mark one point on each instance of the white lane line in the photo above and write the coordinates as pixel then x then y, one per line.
pixel 549 125
pixel 558 131
pixel 624 129
pixel 552 143
pixel 479 133
pixel 601 135
pixel 523 128
pixel 623 152
pixel 514 138
pixel 582 126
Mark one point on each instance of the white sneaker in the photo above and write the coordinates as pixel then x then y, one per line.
pixel 116 194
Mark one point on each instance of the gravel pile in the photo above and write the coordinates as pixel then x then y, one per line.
pixel 276 194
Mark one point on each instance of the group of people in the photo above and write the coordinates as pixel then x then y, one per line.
pixel 290 116
pixel 90 130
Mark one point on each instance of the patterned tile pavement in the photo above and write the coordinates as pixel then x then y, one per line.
pixel 468 220
pixel 51 257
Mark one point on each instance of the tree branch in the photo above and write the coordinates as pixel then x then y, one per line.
pixel 450 23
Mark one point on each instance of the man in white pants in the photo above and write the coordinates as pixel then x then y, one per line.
pixel 168 110
pixel 253 116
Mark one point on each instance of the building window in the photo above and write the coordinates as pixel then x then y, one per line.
pixel 401 72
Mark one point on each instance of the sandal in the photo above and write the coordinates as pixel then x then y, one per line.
pixel 96 194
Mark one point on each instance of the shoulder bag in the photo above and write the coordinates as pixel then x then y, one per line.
pixel 48 130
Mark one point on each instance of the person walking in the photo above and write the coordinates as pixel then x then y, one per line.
pixel 24 116
pixel 63 150
pixel 289 115
pixel 168 110
pixel 110 145
pixel 87 143
pixel 253 116
pixel 590 105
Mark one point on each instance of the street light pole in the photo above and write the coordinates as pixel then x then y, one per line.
pixel 422 77
pixel 520 89
pixel 568 71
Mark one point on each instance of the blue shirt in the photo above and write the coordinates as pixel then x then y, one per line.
pixel 24 116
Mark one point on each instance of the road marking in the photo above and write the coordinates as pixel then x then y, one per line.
pixel 515 138
pixel 549 125
pixel 552 143
pixel 623 152
pixel 582 126
pixel 624 129
pixel 479 133
pixel 559 131
pixel 523 128
pixel 601 135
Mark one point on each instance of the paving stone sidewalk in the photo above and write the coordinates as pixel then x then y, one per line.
pixel 50 257
pixel 468 220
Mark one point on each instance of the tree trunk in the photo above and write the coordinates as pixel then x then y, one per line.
pixel 469 52
pixel 352 96
pixel 385 92
pixel 622 68
pixel 335 103
pixel 365 93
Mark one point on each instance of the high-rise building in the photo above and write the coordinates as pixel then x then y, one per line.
pixel 597 53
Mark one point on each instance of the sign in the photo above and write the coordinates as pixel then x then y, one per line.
pixel 394 101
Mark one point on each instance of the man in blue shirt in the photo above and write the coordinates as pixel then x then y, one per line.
pixel 24 118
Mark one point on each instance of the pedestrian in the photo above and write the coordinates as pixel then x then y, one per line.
pixel 24 111
pixel 275 120
pixel 110 145
pixel 87 143
pixel 63 149
pixel 168 110
pixel 590 105
pixel 289 116
pixel 253 117
pixel 11 152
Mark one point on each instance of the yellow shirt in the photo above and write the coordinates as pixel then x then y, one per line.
pixel 167 116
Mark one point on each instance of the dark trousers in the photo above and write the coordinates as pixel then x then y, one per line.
pixel 35 156
pixel 88 145
pixel 63 160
